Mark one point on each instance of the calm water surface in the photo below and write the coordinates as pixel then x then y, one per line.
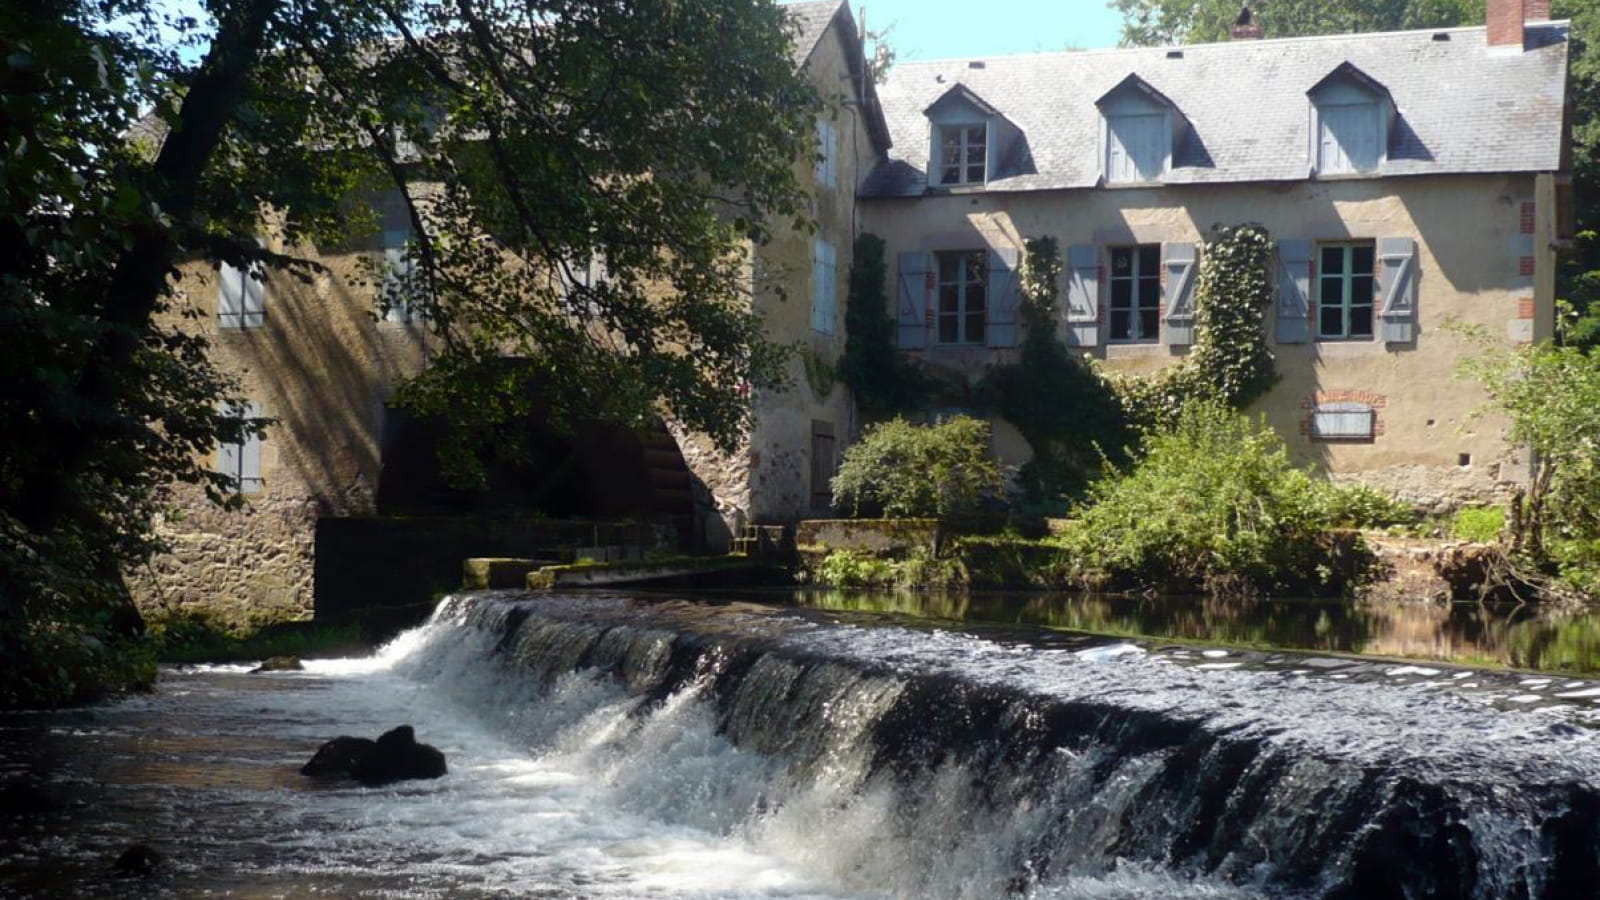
pixel 1518 636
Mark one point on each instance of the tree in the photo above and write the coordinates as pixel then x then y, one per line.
pixel 657 136
pixel 1151 23
pixel 903 470
pixel 1578 279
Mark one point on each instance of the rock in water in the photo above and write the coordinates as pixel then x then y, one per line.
pixel 139 860
pixel 396 757
pixel 279 664
pixel 338 756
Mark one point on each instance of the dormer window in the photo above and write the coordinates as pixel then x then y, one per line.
pixel 967 139
pixel 963 154
pixel 1350 115
pixel 1140 128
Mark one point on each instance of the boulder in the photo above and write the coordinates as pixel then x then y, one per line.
pixel 396 757
pixel 279 664
pixel 139 860
pixel 338 757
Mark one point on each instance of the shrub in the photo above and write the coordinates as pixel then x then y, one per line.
pixel 1482 524
pixel 1212 501
pixel 898 469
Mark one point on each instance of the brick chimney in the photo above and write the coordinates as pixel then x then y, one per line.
pixel 1538 10
pixel 1503 20
pixel 1246 28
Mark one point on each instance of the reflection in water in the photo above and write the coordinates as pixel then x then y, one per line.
pixel 1507 635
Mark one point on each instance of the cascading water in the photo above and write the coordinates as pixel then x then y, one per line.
pixel 605 746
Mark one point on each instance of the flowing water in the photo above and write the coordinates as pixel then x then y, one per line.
pixel 610 746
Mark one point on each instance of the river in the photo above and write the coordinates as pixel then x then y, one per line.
pixel 611 746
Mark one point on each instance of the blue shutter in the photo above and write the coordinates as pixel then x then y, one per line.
pixel 1399 311
pixel 1294 291
pixel 911 308
pixel 1179 258
pixel 1083 295
pixel 250 453
pixel 1001 302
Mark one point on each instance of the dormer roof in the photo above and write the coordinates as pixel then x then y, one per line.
pixel 958 95
pixel 1348 73
pixel 1136 86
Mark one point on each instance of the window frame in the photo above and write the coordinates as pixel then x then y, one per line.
pixel 252 286
pixel 972 297
pixel 1347 277
pixel 1137 278
pixel 964 147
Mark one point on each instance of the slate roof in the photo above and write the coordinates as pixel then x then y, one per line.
pixel 1461 107
pixel 810 20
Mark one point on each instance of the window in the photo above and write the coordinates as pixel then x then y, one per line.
pixel 398 271
pixel 1344 290
pixel 241 460
pixel 241 297
pixel 827 153
pixel 1347 138
pixel 1135 148
pixel 962 285
pixel 963 154
pixel 1136 293
pixel 1343 422
pixel 825 287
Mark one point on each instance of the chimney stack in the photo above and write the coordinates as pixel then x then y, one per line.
pixel 1246 28
pixel 1503 20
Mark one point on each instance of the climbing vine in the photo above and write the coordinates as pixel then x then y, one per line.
pixel 1067 413
pixel 1230 360
pixel 883 380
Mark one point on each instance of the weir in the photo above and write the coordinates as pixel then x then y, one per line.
pixel 922 763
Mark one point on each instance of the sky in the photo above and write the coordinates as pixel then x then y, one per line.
pixel 942 29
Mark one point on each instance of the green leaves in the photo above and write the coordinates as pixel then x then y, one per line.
pixel 898 469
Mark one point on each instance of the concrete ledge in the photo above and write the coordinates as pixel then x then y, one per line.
pixel 494 572
pixel 876 536
pixel 632 571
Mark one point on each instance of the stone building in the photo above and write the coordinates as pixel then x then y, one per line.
pixel 1411 181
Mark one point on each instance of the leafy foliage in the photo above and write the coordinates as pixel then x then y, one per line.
pixel 527 140
pixel 1549 394
pixel 1478 523
pixel 1149 23
pixel 899 469
pixel 882 379
pixel 1230 361
pixel 1578 274
pixel 1066 412
pixel 1212 501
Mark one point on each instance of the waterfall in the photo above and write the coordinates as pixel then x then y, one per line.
pixel 922 763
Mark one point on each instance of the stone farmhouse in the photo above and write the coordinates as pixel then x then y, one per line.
pixel 1409 180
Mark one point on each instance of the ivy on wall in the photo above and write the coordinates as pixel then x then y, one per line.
pixel 1230 360
pixel 1065 410
pixel 882 379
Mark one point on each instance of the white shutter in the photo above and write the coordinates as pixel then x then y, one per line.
pixel 1399 311
pixel 230 296
pixel 911 307
pixel 254 313
pixel 1083 295
pixel 1294 291
pixel 827 169
pixel 1002 299
pixel 250 453
pixel 1179 259
pixel 396 274
pixel 1349 138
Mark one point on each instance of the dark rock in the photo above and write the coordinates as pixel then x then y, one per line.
pixel 397 756
pixel 140 860
pixel 26 798
pixel 279 664
pixel 338 756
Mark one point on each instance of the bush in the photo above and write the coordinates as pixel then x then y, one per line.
pixel 1482 524
pixel 1212 502
pixel 902 470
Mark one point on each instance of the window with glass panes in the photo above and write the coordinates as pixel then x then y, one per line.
pixel 963 279
pixel 963 154
pixel 1344 290
pixel 1136 293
